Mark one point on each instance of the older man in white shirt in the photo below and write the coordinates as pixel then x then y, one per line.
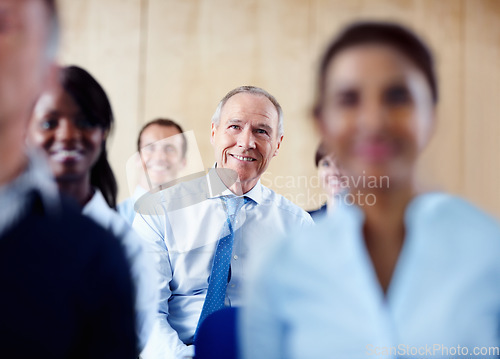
pixel 189 226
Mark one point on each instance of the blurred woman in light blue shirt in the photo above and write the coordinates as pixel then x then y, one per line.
pixel 396 272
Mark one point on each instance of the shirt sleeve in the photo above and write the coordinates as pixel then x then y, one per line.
pixel 164 341
pixel 145 279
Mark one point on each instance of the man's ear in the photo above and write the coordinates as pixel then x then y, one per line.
pixel 278 146
pixel 212 134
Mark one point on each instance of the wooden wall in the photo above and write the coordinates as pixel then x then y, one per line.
pixel 178 58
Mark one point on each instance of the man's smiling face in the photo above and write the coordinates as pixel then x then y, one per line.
pixel 246 137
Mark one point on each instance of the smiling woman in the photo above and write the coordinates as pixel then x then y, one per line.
pixel 394 264
pixel 71 122
pixel 69 126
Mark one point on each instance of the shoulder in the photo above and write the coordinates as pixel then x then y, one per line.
pixel 84 227
pixel 453 213
pixel 194 186
pixel 66 231
pixel 98 210
pixel 284 205
pixel 179 196
pixel 126 210
pixel 126 205
pixel 82 264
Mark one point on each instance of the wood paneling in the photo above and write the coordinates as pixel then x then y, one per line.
pixel 178 58
pixel 104 37
pixel 482 103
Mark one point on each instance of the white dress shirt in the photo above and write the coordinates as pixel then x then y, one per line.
pixel 142 270
pixel 317 295
pixel 182 225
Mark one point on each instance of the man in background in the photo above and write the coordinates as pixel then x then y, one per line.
pixel 66 288
pixel 162 148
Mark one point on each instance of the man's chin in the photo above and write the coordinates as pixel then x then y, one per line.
pixel 246 176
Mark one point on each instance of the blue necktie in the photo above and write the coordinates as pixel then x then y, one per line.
pixel 216 293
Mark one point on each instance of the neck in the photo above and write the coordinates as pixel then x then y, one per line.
pixel 385 208
pixel 240 188
pixel 79 189
pixel 13 158
pixel 384 227
pixel 143 182
pixel 231 181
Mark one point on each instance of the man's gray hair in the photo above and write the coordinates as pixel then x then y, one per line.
pixel 254 91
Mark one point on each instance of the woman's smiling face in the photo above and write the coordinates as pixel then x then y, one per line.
pixel 71 143
pixel 377 112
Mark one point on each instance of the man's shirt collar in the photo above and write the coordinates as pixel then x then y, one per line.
pixel 217 188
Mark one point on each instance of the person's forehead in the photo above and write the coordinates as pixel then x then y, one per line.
pixel 160 130
pixel 175 140
pixel 245 103
pixel 29 25
pixel 25 10
pixel 368 61
pixel 157 132
pixel 328 157
pixel 55 98
pixel 11 5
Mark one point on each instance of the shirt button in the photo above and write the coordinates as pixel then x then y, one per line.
pixel 235 257
pixel 232 285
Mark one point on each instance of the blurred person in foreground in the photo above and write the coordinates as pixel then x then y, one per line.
pixel 162 148
pixel 66 287
pixel 400 269
pixel 202 232
pixel 70 126
pixel 330 179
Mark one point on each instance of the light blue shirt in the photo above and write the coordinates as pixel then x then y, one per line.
pixel 142 270
pixel 182 226
pixel 126 208
pixel 317 295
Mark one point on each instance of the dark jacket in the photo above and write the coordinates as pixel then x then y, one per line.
pixel 65 288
